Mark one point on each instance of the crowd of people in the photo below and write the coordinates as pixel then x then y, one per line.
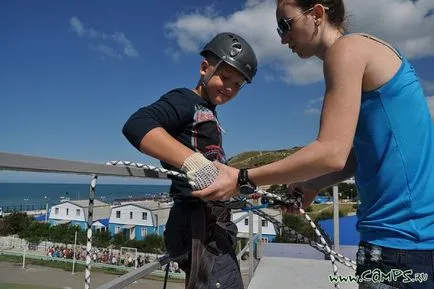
pixel 104 256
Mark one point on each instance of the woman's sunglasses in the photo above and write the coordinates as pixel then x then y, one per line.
pixel 284 24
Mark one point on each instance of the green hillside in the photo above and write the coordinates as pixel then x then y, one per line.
pixel 258 158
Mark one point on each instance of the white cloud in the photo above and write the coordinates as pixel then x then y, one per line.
pixel 269 77
pixel 77 26
pixel 313 106
pixel 312 111
pixel 431 105
pixel 106 51
pixel 251 3
pixel 126 46
pixel 174 54
pixel 303 71
pixel 314 101
pixel 403 23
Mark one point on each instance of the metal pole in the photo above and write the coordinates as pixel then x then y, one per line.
pixel 73 261
pixel 126 279
pixel 239 250
pixel 259 239
pixel 158 214
pixel 240 218
pixel 24 257
pixel 251 245
pixel 46 212
pixel 336 218
pixel 89 233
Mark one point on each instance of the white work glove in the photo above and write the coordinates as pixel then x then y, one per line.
pixel 200 171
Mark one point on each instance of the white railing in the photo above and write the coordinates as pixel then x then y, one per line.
pixel 18 162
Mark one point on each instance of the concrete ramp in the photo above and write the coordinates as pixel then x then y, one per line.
pixel 294 273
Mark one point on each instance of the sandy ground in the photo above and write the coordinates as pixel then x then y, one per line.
pixel 57 278
pixel 38 275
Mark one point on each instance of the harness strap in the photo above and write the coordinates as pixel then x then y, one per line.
pixel 198 232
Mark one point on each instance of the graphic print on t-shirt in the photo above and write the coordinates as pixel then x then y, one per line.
pixel 206 136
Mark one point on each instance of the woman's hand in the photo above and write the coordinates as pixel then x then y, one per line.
pixel 223 188
pixel 294 190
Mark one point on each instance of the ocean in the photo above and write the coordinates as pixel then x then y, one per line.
pixel 34 196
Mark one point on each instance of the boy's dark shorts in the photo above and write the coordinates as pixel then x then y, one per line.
pixel 225 272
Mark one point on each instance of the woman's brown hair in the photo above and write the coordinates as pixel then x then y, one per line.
pixel 336 10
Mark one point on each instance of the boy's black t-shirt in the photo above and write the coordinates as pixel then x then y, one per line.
pixel 189 119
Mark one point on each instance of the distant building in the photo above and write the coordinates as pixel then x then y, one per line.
pixel 322 200
pixel 350 181
pixel 101 225
pixel 75 213
pixel 139 219
pixel 39 218
pixel 268 233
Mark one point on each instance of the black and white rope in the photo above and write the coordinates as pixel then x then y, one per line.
pixel 151 171
pixel 273 200
pixel 89 233
pixel 297 202
pixel 299 237
pixel 326 251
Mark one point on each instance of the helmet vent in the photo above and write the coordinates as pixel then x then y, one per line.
pixel 236 48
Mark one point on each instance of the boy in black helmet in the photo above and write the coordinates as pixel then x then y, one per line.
pixel 182 131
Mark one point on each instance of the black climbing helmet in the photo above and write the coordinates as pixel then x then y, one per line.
pixel 235 51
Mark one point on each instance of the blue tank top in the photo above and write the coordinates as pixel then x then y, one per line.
pixel 394 145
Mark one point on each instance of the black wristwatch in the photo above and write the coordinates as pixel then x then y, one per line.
pixel 246 186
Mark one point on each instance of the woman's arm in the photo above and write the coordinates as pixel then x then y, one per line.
pixel 344 68
pixel 310 188
pixel 328 180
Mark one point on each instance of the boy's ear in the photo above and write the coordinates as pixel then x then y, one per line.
pixel 204 65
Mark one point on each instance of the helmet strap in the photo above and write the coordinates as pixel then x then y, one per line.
pixel 205 79
pixel 203 82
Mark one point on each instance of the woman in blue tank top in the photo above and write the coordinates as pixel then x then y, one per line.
pixel 376 126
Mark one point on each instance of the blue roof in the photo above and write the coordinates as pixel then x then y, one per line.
pixel 39 218
pixel 105 222
pixel 348 235
pixel 321 199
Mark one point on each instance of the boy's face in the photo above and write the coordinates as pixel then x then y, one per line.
pixel 224 84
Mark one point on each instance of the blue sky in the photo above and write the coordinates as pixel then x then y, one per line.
pixel 72 72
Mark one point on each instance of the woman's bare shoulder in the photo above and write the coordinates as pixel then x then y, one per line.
pixel 347 49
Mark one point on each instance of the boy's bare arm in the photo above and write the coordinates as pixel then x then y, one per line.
pixel 159 144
